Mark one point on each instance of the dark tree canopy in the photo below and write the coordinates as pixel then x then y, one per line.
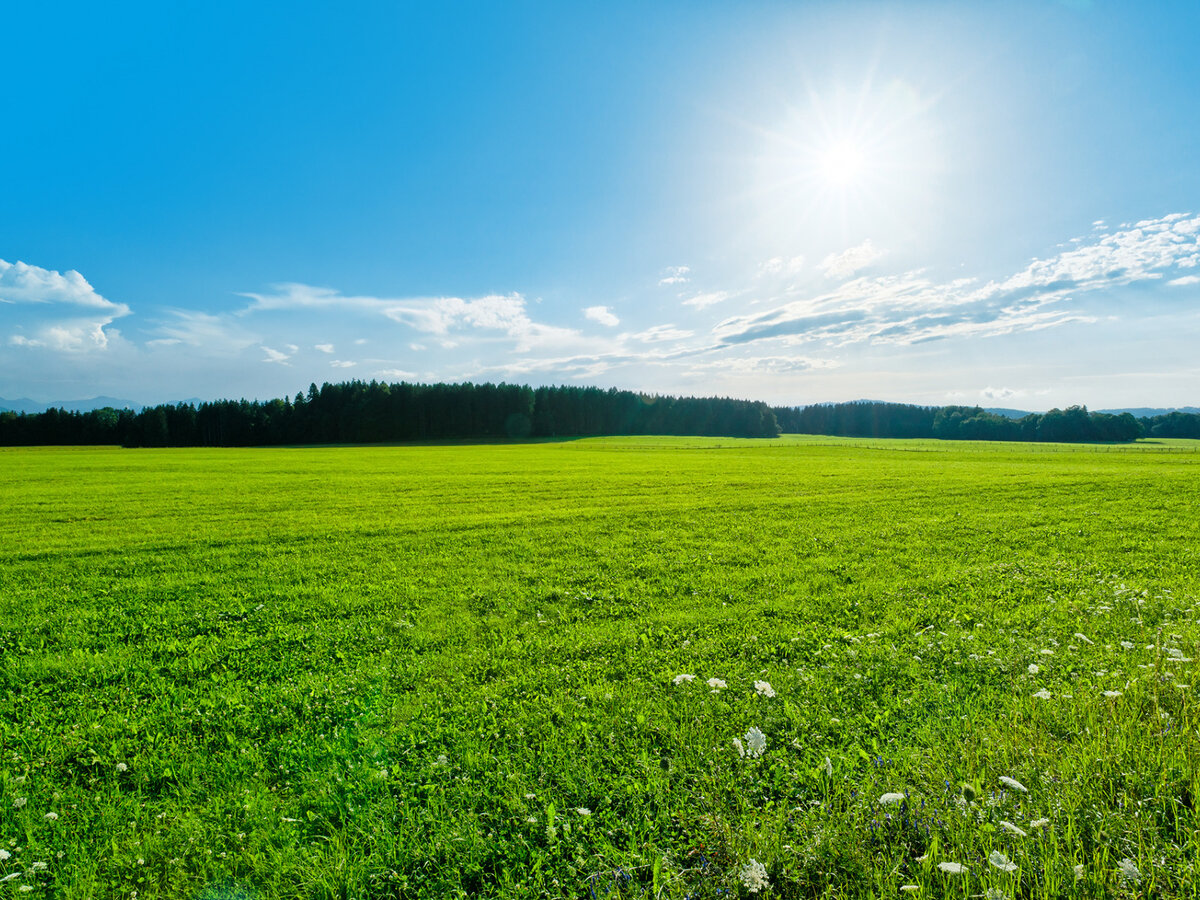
pixel 361 412
pixel 971 423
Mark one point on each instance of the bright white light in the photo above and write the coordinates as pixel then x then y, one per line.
pixel 842 164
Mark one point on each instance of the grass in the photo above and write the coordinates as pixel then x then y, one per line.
pixel 438 671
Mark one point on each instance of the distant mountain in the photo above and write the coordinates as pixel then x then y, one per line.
pixel 26 405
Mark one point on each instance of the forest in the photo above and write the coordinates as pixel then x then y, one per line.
pixel 372 412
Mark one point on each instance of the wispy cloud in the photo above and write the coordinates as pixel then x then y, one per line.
pixel 911 307
pixel 61 310
pixel 701 301
pixel 846 263
pixel 602 314
pixel 661 333
pixel 275 356
pixel 782 265
pixel 675 275
pixel 1184 280
pixel 343 364
pixel 324 348
pixel 505 314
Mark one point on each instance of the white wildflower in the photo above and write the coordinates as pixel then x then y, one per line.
pixel 756 742
pixel 1033 669
pixel 828 768
pixel 680 679
pixel 1128 645
pixel 716 684
pixel 51 816
pixel 737 745
pixel 121 767
pixel 994 893
pixel 1112 693
pixel 1079 871
pixel 1013 829
pixel 909 888
pixel 40 866
pixel 754 876
pixel 1014 784
pixel 25 888
pixel 583 811
pixel 1001 862
pixel 891 799
pixel 442 760
pixel 288 819
pixel 1084 638
pixel 1128 871
pixel 952 868
pixel 764 689
pixel 20 801
pixel 1043 694
pixel 10 876
pixel 1039 823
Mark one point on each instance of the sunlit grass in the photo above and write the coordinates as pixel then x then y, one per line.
pixel 439 671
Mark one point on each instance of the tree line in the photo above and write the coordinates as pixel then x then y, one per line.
pixel 362 412
pixel 972 423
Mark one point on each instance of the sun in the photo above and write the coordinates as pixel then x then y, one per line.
pixel 842 164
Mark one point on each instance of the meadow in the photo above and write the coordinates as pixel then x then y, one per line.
pixel 635 667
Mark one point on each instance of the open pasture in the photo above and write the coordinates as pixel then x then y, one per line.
pixel 920 669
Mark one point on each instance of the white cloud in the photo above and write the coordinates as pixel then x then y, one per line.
pixel 995 394
pixel 1184 280
pixel 324 348
pixel 675 275
pixel 601 314
pixel 700 301
pixel 343 364
pixel 848 262
pixel 660 333
pixel 781 265
pixel 402 374
pixel 911 307
pixel 275 356
pixel 215 333
pixel 503 313
pixel 759 365
pixel 61 310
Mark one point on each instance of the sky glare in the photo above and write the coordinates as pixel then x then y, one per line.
pixel 994 204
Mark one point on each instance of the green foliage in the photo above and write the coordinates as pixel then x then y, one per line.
pixel 454 671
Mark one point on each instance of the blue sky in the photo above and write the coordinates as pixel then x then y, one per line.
pixel 993 203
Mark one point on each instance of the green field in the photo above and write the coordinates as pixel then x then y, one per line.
pixel 437 671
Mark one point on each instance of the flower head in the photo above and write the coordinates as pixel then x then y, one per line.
pixel 1043 694
pixel 680 679
pixel 1039 823
pixel 1128 871
pixel 952 868
pixel 121 767
pixel 1001 862
pixel 890 799
pixel 1033 669
pixel 51 816
pixel 716 684
pixel 756 742
pixel 1014 784
pixel 764 689
pixel 1013 829
pixel 1083 637
pixel 754 876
